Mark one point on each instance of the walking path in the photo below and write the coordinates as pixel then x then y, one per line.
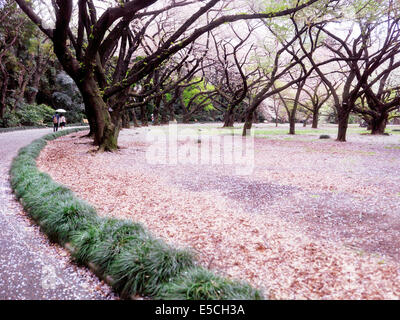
pixel 31 268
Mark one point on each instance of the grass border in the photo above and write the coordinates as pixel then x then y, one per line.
pixel 121 252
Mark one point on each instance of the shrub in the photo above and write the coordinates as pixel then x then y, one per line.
pixel 103 241
pixel 34 115
pixel 9 120
pixel 324 136
pixel 65 215
pixel 200 284
pixel 146 264
pixel 28 115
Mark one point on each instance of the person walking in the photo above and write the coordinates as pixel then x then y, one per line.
pixel 56 121
pixel 62 122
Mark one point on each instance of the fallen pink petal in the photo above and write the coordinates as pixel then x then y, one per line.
pixel 304 225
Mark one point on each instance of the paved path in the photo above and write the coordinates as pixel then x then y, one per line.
pixel 31 267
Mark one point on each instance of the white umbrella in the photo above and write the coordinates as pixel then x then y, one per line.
pixel 60 110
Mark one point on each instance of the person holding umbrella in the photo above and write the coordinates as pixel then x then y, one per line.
pixel 56 121
pixel 61 119
pixel 62 122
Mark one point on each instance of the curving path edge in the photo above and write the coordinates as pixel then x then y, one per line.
pixel 31 268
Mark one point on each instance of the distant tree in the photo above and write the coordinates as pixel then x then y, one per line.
pixel 365 54
pixel 232 73
pixel 24 58
pixel 291 104
pixel 11 32
pixel 315 95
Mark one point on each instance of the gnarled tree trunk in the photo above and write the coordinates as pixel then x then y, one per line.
pixel 343 121
pixel 229 117
pixel 105 131
pixel 378 125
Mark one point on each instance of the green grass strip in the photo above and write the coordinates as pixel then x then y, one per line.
pixel 121 250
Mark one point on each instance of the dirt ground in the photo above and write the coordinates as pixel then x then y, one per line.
pixel 315 219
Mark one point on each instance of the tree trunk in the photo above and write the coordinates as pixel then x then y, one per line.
pixel 143 116
pixel 2 111
pixel 229 117
pixel 31 96
pixel 169 108
pixel 186 118
pixel 378 125
pixel 292 125
pixel 343 120
pixel 164 116
pixel 248 124
pixel 156 111
pixel 306 120
pixel 109 139
pixel 292 118
pixel 171 113
pixel 185 112
pixel 92 121
pixel 3 92
pixel 22 83
pixel 125 119
pixel 134 119
pixel 255 117
pixel 105 131
pixel 315 119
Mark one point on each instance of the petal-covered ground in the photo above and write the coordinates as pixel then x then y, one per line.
pixel 316 219
pixel 31 266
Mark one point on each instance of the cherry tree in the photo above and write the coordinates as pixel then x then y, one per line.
pixel 84 50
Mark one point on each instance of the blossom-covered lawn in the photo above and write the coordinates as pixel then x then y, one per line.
pixel 315 219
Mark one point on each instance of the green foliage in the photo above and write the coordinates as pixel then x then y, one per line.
pixel 9 120
pixel 28 115
pixel 100 244
pixel 34 115
pixel 366 10
pixel 146 265
pixel 200 284
pixel 275 6
pixel 394 114
pixel 22 46
pixel 190 92
pixel 354 118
